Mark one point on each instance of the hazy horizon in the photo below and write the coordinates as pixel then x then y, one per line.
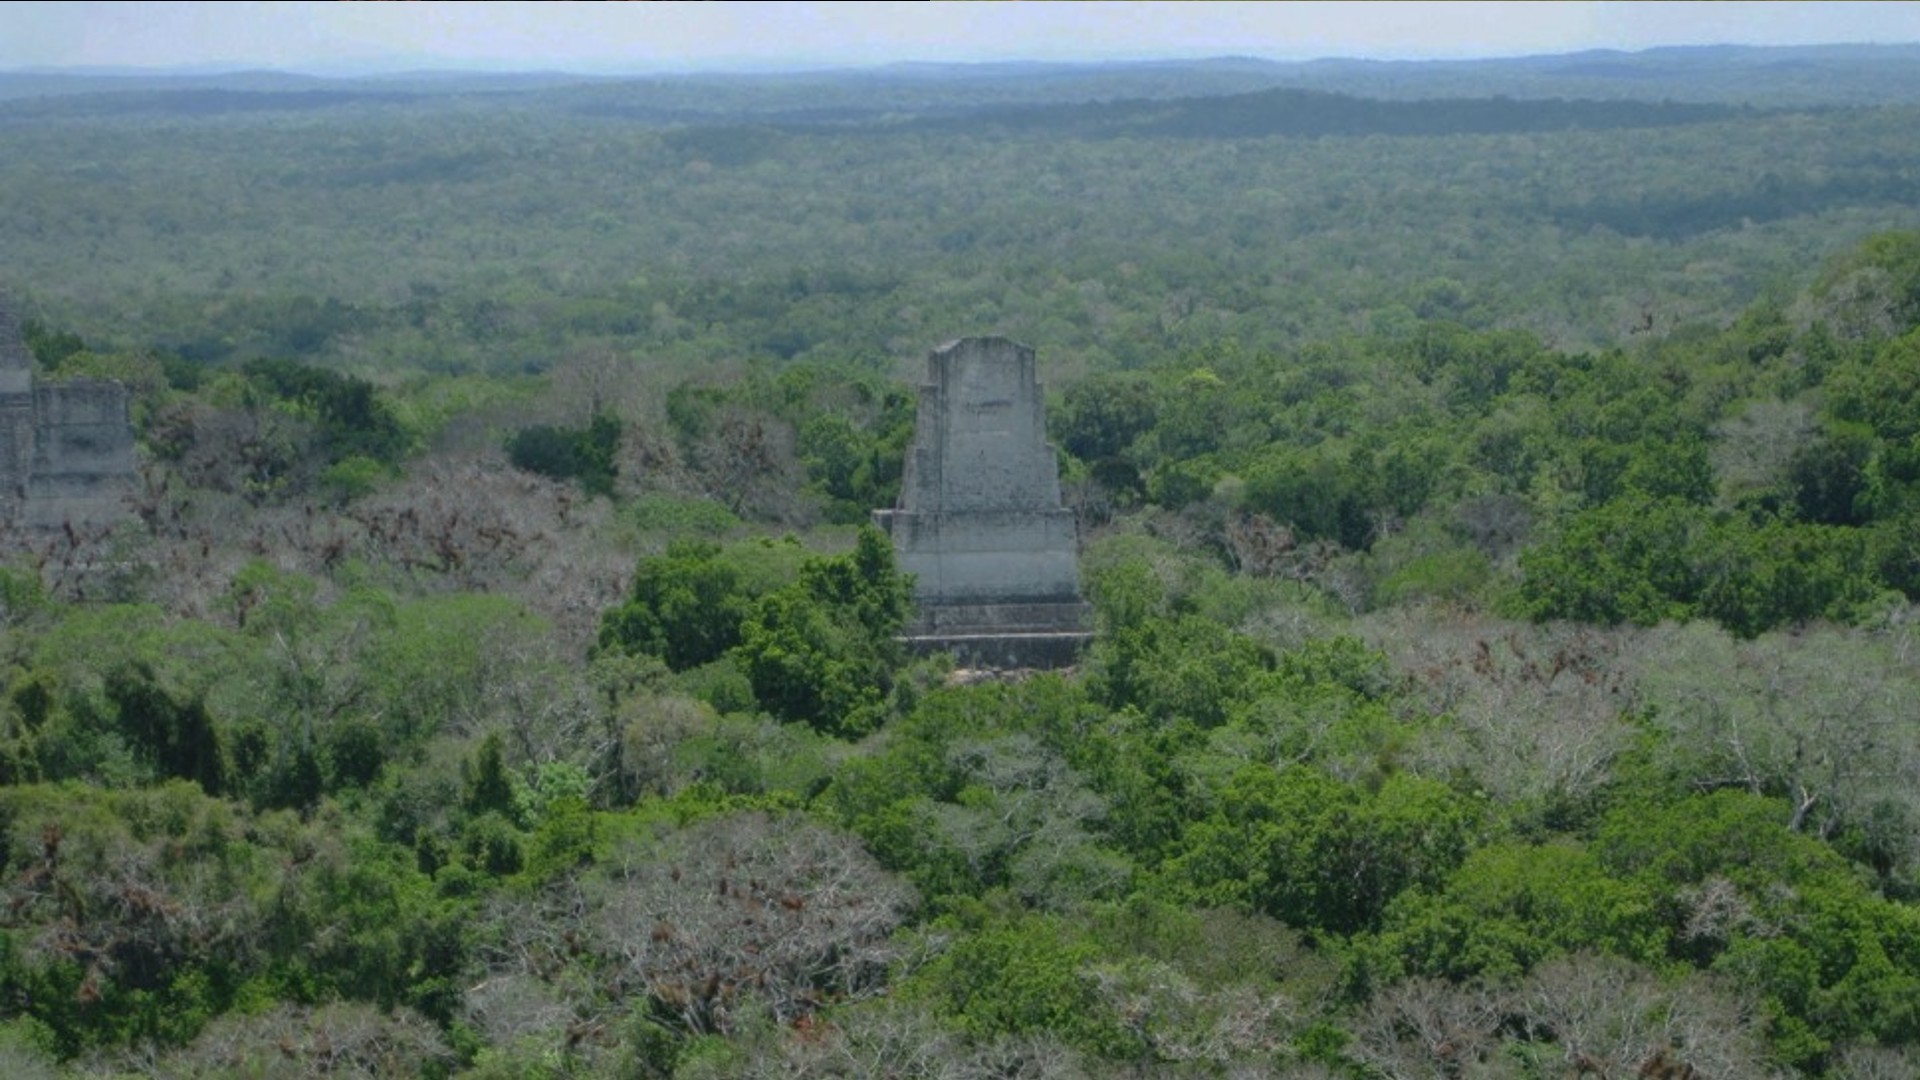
pixel 601 39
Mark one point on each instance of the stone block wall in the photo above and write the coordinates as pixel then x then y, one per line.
pixel 83 464
pixel 66 448
pixel 980 524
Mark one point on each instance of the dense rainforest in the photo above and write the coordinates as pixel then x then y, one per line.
pixel 1499 496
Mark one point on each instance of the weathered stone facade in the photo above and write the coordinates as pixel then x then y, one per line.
pixel 66 448
pixel 980 524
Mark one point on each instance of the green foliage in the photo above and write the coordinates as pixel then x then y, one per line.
pixel 1025 977
pixel 1828 478
pixel 1474 369
pixel 721 685
pixel 172 908
pixel 857 470
pixel 1322 493
pixel 675 516
pixel 353 477
pixel 301 798
pixel 821 651
pixel 1731 834
pixel 1193 416
pixel 1177 669
pixel 50 348
pixel 1678 469
pixel 1648 561
pixel 1410 573
pixel 22 595
pixel 1875 287
pixel 1337 663
pixel 118 695
pixel 1509 906
pixel 585 454
pixel 1867 466
pixel 1778 911
pixel 490 789
pixel 1880 391
pixel 178 738
pixel 490 844
pixel 1125 593
pixel 850 431
pixel 1100 417
pixel 433 662
pixel 353 418
pixel 979 789
pixel 311 694
pixel 687 606
pixel 1319 854
pixel 1627 561
pixel 398 938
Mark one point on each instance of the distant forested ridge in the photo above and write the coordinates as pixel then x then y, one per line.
pixel 1105 214
pixel 1498 486
pixel 1288 112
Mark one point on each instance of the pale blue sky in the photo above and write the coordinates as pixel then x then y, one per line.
pixel 681 36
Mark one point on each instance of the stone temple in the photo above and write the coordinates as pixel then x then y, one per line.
pixel 979 525
pixel 66 448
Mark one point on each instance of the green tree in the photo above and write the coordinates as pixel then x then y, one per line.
pixel 1323 493
pixel 1646 560
pixel 857 469
pixel 1321 854
pixel 1509 906
pixel 1186 668
pixel 50 348
pixel 588 455
pixel 1828 478
pixel 1028 977
pixel 1873 289
pixel 353 417
pixel 490 788
pixel 685 606
pixel 1100 416
pixel 178 736
pixel 823 650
